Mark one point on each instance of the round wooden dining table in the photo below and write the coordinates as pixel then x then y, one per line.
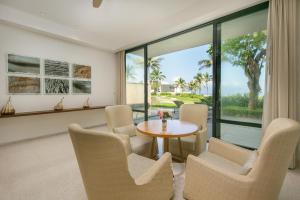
pixel 174 129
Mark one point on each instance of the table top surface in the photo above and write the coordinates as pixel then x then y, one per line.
pixel 175 128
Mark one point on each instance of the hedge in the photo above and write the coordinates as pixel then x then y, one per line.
pixel 241 112
pixel 240 100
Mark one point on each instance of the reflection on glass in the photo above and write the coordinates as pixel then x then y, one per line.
pixel 135 83
pixel 180 71
pixel 243 67
pixel 243 48
pixel 241 135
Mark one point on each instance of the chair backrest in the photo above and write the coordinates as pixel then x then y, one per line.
pixel 194 113
pixel 117 116
pixel 274 155
pixel 102 161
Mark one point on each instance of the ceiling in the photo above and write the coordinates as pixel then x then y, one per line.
pixel 117 24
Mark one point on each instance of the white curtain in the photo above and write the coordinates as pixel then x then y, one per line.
pixel 121 79
pixel 281 74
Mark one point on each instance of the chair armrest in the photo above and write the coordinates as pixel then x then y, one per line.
pixel 228 151
pixel 126 142
pixel 206 181
pixel 161 171
pixel 201 140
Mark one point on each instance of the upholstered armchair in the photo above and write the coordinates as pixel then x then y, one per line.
pixel 120 121
pixel 108 173
pixel 228 172
pixel 195 144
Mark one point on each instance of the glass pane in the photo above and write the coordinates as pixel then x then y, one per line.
pixel 135 83
pixel 180 71
pixel 243 47
pixel 243 67
pixel 241 135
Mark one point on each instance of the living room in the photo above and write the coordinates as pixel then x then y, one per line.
pixel 156 99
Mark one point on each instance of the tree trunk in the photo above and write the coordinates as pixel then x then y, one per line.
pixel 253 96
pixel 253 85
pixel 206 89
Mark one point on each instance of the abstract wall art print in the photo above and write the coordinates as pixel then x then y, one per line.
pixel 56 86
pixel 82 71
pixel 81 87
pixel 56 68
pixel 23 85
pixel 23 64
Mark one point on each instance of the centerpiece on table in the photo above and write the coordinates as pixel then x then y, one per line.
pixel 164 115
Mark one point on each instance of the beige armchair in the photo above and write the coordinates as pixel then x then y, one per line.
pixel 120 121
pixel 195 144
pixel 220 174
pixel 108 173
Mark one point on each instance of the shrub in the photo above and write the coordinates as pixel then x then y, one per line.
pixel 206 100
pixel 241 112
pixel 240 100
pixel 165 94
pixel 164 105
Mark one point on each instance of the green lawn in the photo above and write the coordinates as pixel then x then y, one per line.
pixel 165 100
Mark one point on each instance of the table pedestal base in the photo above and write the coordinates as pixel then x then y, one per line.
pixel 166 147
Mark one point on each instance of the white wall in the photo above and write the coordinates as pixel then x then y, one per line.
pixel 22 42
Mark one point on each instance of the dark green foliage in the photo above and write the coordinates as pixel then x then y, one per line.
pixel 239 100
pixel 237 111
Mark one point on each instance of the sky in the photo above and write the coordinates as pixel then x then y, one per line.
pixel 184 64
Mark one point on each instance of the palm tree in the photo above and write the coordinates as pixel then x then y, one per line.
pixel 154 63
pixel 156 76
pixel 130 72
pixel 199 80
pixel 180 83
pixel 193 86
pixel 207 63
pixel 206 78
pixel 248 52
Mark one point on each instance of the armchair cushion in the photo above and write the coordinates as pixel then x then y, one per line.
pixel 127 130
pixel 229 151
pixel 188 145
pixel 221 163
pixel 138 165
pixel 249 163
pixel 141 144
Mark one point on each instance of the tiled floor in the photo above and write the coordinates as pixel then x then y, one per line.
pixel 46 168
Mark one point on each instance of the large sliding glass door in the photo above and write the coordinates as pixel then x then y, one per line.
pixel 220 63
pixel 242 78
pixel 135 83
pixel 180 72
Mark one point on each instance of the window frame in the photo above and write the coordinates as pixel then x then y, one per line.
pixel 216 68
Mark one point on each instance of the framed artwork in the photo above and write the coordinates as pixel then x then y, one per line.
pixel 82 71
pixel 56 86
pixel 23 64
pixel 24 85
pixel 56 68
pixel 81 87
